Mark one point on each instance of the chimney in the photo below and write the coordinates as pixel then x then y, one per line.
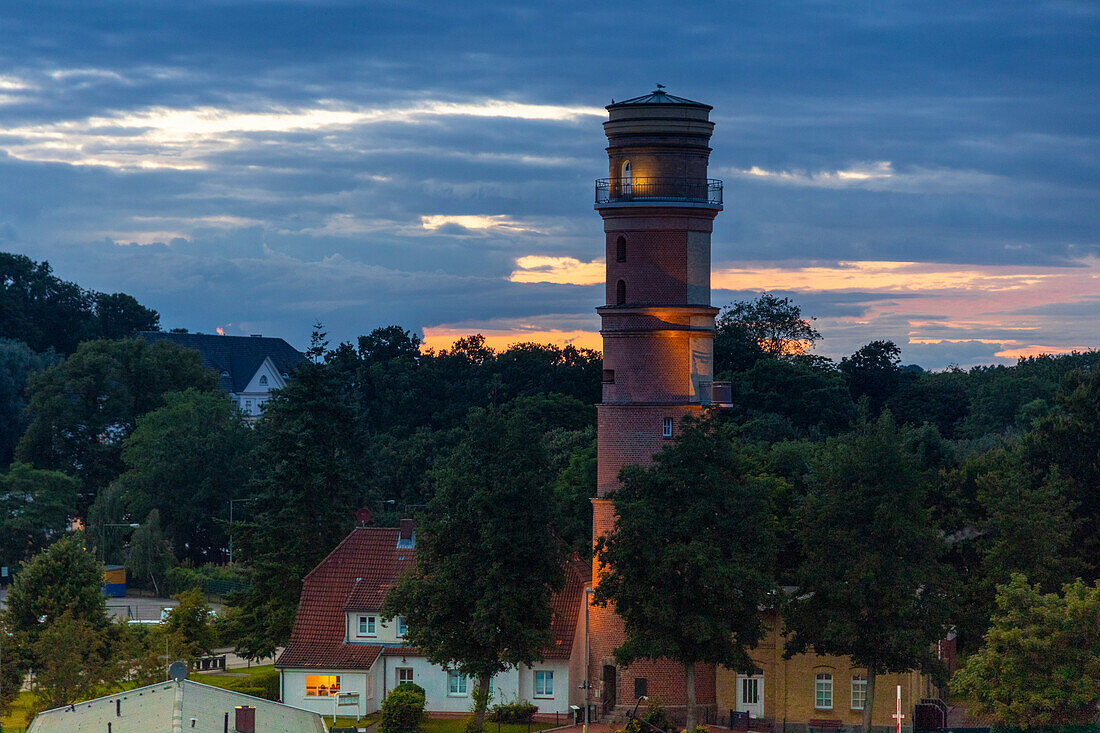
pixel 245 721
pixel 406 536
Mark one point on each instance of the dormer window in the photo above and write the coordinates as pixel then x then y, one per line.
pixel 367 626
pixel 263 380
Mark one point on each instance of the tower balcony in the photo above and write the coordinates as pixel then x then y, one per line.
pixel 699 192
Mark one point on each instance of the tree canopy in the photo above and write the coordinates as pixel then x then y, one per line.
pixel 487 563
pixel 690 560
pixel 871 583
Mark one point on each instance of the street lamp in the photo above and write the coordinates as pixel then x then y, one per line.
pixel 231 502
pixel 103 538
pixel 588 592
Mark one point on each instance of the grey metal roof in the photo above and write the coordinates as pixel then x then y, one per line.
pixel 234 358
pixel 151 709
pixel 657 96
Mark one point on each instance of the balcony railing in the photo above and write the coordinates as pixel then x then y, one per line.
pixel 707 192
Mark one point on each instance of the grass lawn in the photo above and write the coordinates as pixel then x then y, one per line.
pixel 259 681
pixel 458 725
pixel 16 719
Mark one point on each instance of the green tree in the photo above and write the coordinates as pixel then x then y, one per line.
pixel 17 364
pixel 48 313
pixel 71 661
pixel 188 628
pixel 307 482
pixel 1068 440
pixel 118 316
pixel 874 372
pixel 196 447
pixel 64 578
pixel 871 581
pixel 573 488
pixel 85 407
pixel 690 559
pixel 11 671
pixel 150 555
pixel 768 327
pixel 487 563
pixel 1039 665
pixel 34 506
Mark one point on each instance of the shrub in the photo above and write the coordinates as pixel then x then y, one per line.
pixel 402 711
pixel 657 716
pixel 518 711
pixel 412 686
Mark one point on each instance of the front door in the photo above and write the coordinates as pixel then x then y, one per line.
pixel 609 683
pixel 750 695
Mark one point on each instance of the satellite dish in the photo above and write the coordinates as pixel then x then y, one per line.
pixel 177 671
pixel 363 516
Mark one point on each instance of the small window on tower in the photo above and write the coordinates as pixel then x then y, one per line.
pixel 620 293
pixel 627 176
pixel 666 427
pixel 609 376
pixel 620 249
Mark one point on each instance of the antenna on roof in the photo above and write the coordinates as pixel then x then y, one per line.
pixel 177 671
pixel 363 516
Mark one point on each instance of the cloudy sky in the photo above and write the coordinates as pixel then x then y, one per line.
pixel 923 171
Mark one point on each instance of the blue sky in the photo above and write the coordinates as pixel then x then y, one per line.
pixel 926 172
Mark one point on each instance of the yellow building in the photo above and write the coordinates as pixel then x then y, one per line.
pixel 818 692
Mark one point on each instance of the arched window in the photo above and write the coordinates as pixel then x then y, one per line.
pixel 620 293
pixel 263 380
pixel 620 249
pixel 625 173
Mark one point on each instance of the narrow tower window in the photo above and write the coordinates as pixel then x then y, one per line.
pixel 626 176
pixel 620 293
pixel 666 427
pixel 620 249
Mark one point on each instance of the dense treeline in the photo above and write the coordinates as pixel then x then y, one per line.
pixel 1004 461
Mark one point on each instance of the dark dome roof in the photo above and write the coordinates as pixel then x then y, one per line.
pixel 658 96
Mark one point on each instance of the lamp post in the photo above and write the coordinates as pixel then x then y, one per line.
pixel 103 538
pixel 588 592
pixel 231 502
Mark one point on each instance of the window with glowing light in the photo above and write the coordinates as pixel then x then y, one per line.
pixel 322 685
pixel 625 173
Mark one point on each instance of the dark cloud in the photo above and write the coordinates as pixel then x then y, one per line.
pixel 984 116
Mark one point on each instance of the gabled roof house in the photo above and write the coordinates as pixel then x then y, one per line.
pixel 342 655
pixel 249 367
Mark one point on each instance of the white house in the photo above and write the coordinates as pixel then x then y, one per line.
pixel 248 367
pixel 342 653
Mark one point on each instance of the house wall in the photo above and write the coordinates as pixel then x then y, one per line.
pixel 508 686
pixel 294 691
pixel 385 631
pixel 789 688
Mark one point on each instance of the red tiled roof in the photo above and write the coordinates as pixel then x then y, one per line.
pixel 401 651
pixel 566 605
pixel 360 569
pixel 356 576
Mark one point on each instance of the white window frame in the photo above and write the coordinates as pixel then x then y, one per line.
pixel 823 691
pixel 666 427
pixel 456 684
pixel 859 683
pixel 404 669
pixel 544 676
pixel 366 626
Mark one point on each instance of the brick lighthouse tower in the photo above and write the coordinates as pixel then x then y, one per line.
pixel 658 208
